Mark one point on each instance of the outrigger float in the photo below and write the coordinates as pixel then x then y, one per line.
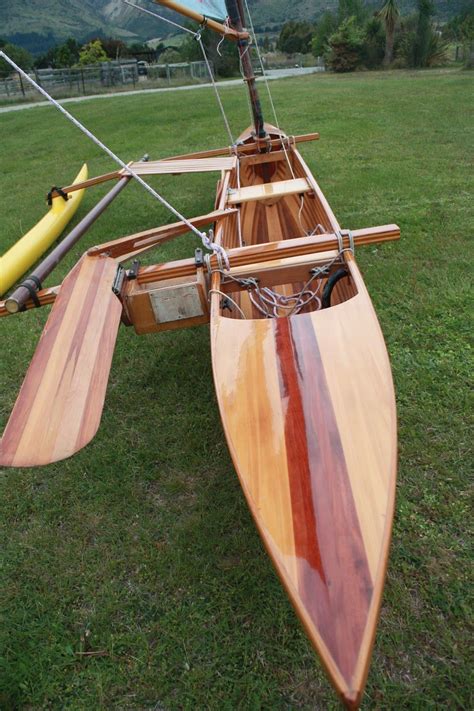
pixel 301 371
pixel 24 253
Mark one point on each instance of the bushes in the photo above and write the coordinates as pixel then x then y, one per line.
pixel 346 47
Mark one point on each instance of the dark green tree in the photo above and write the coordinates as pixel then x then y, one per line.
pixel 352 8
pixel 19 55
pixel 374 43
pixel 424 32
pixel 295 37
pixel 389 15
pixel 326 26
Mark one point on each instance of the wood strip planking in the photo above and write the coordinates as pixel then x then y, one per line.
pixel 68 375
pixel 373 449
pixel 176 167
pixel 267 488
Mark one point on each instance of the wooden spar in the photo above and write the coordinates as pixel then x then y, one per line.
pixel 202 19
pixel 142 241
pixel 243 150
pixel 239 257
pixel 248 148
pixel 21 295
pixel 236 18
pixel 273 251
pixel 85 184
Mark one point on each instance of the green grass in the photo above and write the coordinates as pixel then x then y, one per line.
pixel 141 546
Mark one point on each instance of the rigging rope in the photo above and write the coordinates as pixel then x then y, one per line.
pixel 198 38
pixel 206 241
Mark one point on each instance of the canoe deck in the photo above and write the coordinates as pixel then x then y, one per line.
pixel 309 416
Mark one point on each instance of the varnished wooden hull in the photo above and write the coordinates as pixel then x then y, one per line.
pixel 308 410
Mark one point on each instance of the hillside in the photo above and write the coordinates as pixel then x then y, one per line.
pixel 39 24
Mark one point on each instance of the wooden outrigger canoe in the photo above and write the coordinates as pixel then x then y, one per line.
pixel 301 371
pixel 29 248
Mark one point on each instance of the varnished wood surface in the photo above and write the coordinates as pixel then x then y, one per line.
pixel 264 191
pixel 60 403
pixel 308 409
pixel 176 167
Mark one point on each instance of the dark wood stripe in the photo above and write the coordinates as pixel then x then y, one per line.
pixel 334 579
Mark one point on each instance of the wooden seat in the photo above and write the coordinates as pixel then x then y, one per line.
pixel 267 191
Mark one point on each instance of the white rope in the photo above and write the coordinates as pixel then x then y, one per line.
pixel 197 36
pixel 214 86
pixel 202 235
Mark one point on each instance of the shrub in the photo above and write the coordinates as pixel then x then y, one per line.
pixel 346 47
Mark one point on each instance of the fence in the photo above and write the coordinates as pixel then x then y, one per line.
pixel 95 78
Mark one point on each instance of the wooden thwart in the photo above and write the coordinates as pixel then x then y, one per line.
pixel 267 191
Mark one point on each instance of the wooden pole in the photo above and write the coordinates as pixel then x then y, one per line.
pixel 202 19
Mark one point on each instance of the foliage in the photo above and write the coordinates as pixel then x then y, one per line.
pixel 326 26
pixel 352 8
pixel 423 34
pixel 114 48
pixel 389 14
pixel 225 59
pixel 63 55
pixel 92 53
pixel 346 46
pixel 461 27
pixel 295 37
pixel 170 56
pixel 374 43
pixel 19 55
pixel 420 44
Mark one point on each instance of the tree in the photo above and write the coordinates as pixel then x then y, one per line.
pixel 325 28
pixel 346 47
pixel 19 55
pixel 389 15
pixel 423 33
pixel 295 37
pixel 351 8
pixel 92 53
pixel 374 43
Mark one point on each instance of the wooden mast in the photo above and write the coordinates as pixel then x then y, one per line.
pixel 235 10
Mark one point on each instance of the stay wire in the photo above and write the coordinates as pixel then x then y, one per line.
pixel 207 242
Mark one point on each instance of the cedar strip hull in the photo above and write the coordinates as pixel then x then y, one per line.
pixel 308 410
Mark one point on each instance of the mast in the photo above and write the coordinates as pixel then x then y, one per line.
pixel 235 11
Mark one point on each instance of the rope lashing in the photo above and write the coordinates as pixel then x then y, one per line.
pixel 209 244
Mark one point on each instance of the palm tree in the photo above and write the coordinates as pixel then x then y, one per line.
pixel 389 15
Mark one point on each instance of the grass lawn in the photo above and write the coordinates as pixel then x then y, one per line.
pixel 141 547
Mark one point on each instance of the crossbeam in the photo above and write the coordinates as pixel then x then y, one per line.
pixel 142 241
pixel 243 256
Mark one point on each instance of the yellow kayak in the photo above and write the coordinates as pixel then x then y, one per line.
pixel 31 246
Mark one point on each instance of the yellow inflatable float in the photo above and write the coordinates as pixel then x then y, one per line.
pixel 19 258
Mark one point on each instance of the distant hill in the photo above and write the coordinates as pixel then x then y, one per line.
pixel 39 24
